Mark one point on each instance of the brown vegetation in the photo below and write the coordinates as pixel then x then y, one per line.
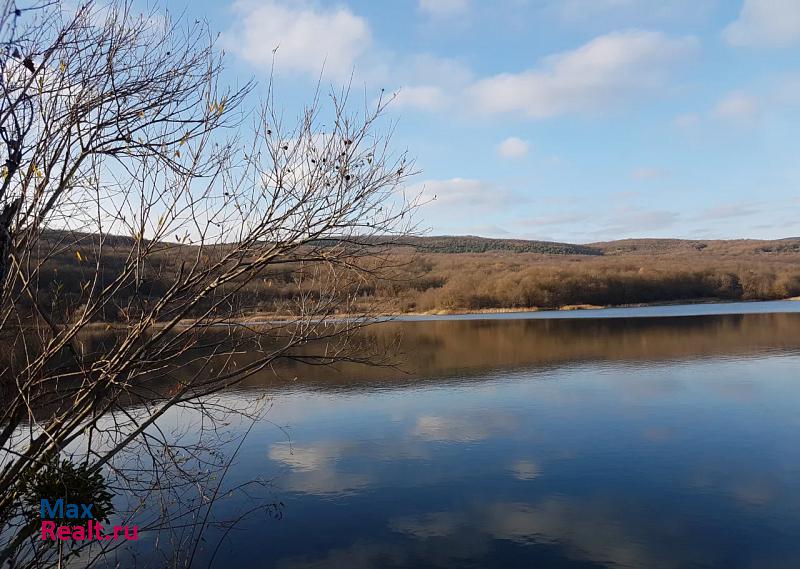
pixel 627 272
pixel 499 275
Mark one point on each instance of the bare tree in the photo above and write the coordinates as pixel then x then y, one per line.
pixel 139 231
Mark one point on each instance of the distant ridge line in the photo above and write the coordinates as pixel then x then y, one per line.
pixel 454 244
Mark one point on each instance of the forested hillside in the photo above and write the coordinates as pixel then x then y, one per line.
pixel 472 273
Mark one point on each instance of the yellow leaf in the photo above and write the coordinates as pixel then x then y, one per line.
pixel 62 66
pixel 217 108
pixel 185 139
pixel 79 256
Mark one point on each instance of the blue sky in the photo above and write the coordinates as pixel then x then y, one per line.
pixel 571 120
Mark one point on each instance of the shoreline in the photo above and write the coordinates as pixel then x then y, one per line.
pixel 576 307
pixel 265 318
pixel 271 318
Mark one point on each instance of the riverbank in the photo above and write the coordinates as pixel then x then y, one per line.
pixel 260 317
pixel 263 318
pixel 576 311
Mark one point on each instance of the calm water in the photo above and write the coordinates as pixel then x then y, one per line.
pixel 667 442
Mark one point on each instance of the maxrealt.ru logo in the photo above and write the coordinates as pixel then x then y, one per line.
pixel 76 522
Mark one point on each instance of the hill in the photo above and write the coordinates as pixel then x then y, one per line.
pixel 467 273
pixel 517 274
pixel 472 244
pixel 721 246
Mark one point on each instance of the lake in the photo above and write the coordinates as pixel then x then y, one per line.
pixel 589 440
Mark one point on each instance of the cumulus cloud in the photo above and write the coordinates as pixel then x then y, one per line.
pixel 513 147
pixel 737 107
pixel 487 230
pixel 307 37
pixel 605 72
pixel 429 82
pixel 687 120
pixel 425 97
pixel 443 8
pixel 427 69
pixel 634 221
pixel 555 219
pixel 787 89
pixel 765 23
pixel 727 211
pixel 644 173
pixel 461 193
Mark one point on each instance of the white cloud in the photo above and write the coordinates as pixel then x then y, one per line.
pixel 643 174
pixel 433 70
pixel 428 82
pixel 687 120
pixel 787 89
pixel 605 72
pixel 424 97
pixel 444 8
pixel 460 193
pixel 307 38
pixel 513 147
pixel 487 230
pixel 635 221
pixel 554 219
pixel 727 211
pixel 765 23
pixel 737 107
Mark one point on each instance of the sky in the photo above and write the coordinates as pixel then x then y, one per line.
pixel 566 120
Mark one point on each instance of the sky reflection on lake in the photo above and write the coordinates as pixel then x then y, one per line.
pixel 638 444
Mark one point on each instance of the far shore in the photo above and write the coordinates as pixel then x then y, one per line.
pixel 566 308
pixel 267 318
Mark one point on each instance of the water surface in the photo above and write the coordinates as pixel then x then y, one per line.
pixel 667 442
pixel 698 309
